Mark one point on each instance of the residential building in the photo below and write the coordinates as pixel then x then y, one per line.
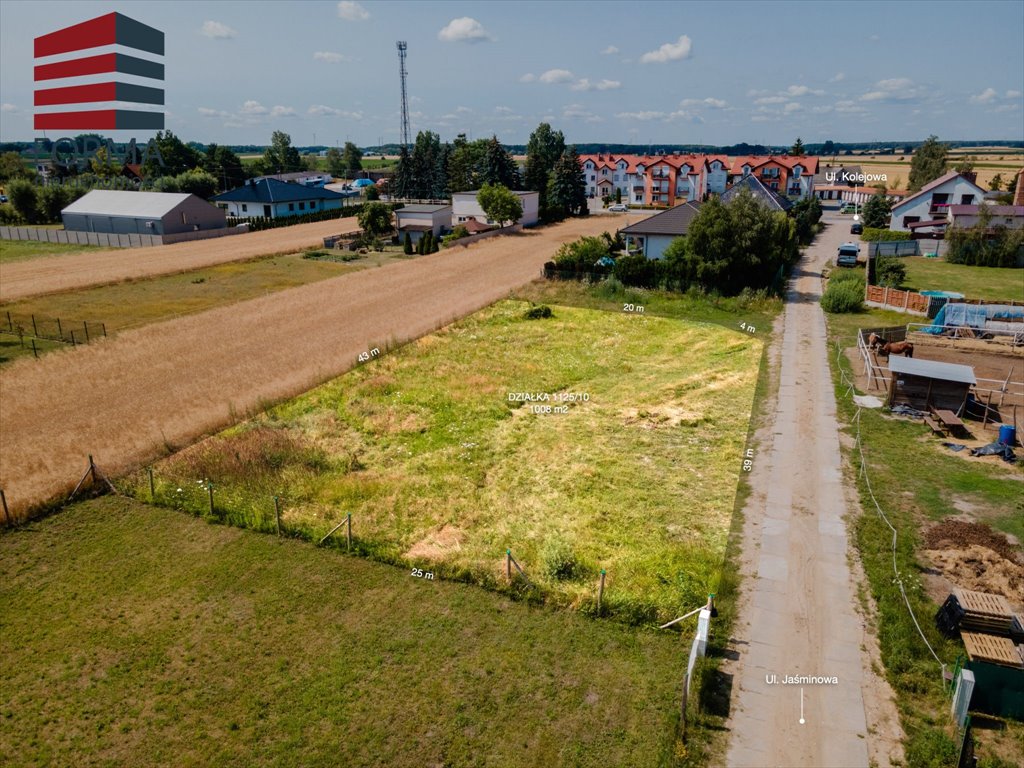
pixel 465 207
pixel 417 220
pixel 1009 216
pixel 765 195
pixel 926 211
pixel 653 235
pixel 141 213
pixel 276 199
pixel 832 181
pixel 305 178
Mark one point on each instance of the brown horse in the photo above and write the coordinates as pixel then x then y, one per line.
pixel 886 348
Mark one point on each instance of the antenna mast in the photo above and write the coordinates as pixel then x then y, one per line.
pixel 402 46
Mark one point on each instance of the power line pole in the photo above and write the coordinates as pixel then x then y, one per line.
pixel 402 46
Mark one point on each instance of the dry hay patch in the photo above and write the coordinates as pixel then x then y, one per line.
pixel 980 569
pixel 659 417
pixel 437 545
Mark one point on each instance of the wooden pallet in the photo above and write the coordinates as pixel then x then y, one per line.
pixel 997 650
pixel 984 612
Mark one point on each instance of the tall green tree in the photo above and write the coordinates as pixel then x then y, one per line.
pixel 352 159
pixel 25 198
pixel 428 181
pixel 567 190
pixel 797 150
pixel 499 167
pixel 543 150
pixel 197 182
pixel 335 163
pixel 500 204
pixel 225 166
pixel 178 157
pixel 103 165
pixel 996 182
pixel 375 219
pixel 464 163
pixel 281 156
pixel 11 167
pixel 828 148
pixel 403 181
pixel 927 163
pixel 876 211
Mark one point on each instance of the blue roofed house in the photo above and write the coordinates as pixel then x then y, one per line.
pixel 276 199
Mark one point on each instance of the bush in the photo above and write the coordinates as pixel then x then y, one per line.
pixel 407 245
pixel 24 196
pixel 8 215
pixel 873 235
pixel 581 256
pixel 843 296
pixel 931 748
pixel 538 312
pixel 846 276
pixel 890 271
pixel 557 559
pixel 638 271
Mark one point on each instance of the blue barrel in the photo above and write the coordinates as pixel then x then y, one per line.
pixel 1007 434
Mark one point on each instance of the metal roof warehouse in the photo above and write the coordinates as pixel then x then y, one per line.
pixel 142 213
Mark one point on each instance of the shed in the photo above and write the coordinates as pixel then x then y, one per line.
pixel 419 219
pixel 925 384
pixel 141 213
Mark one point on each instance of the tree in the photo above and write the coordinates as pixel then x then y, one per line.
pixel 352 159
pixel 103 165
pixel 407 245
pixel 428 177
pixel 966 165
pixel 890 271
pixel 281 156
pixel 798 148
pixel 499 167
pixel 876 211
pixel 25 198
pixel 996 183
pixel 372 193
pixel 11 167
pixel 225 166
pixel 335 163
pixel 500 204
pixel 375 219
pixel 618 196
pixel 806 214
pixel 927 164
pixel 402 182
pixel 54 198
pixel 543 150
pixel 567 191
pixel 828 148
pixel 197 182
pixel 177 156
pixel 464 160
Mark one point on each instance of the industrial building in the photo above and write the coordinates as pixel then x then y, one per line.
pixel 141 213
pixel 465 207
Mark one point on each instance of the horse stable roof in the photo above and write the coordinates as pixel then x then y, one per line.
pixel 932 369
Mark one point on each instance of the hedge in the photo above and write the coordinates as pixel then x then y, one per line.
pixel 871 235
pixel 258 223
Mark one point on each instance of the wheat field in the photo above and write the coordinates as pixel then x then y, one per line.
pixel 128 399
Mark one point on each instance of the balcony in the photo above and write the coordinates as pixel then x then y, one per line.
pixel 938 208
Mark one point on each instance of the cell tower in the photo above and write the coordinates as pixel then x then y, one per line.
pixel 402 46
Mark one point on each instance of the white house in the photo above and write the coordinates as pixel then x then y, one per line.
pixel 275 199
pixel 653 235
pixel 1009 216
pixel 465 207
pixel 417 220
pixel 932 203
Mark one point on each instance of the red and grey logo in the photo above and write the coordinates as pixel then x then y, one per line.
pixel 77 84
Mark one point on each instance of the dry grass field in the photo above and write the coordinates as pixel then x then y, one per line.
pixel 898 171
pixel 73 271
pixel 127 399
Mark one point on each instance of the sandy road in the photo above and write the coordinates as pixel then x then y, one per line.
pixel 80 270
pixel 124 399
pixel 798 615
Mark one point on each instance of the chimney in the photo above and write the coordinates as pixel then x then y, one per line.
pixel 1018 196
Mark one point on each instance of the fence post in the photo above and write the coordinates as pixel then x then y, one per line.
pixel 682 708
pixel 60 331
pixel 73 338
pixel 277 515
pixel 348 531
pixel 35 353
pixel 10 325
pixel 508 564
pixel 210 489
pixel 152 487
pixel 92 469
pixel 35 331
pixel 85 325
pixel 600 592
pixel 104 327
pixel 7 512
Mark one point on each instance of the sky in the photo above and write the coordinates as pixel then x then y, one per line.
pixel 623 72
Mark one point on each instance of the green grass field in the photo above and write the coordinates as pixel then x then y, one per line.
pixel 22 250
pixel 440 469
pixel 991 283
pixel 134 635
pixel 917 482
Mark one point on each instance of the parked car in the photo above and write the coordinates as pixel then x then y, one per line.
pixel 619 208
pixel 848 253
pixel 3 198
pixel 857 228
pixel 848 208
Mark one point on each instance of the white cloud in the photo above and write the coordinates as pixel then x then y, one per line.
pixel 708 102
pixel 217 31
pixel 464 30
pixel 529 77
pixel 985 97
pixel 838 78
pixel 321 110
pixel 892 90
pixel 577 112
pixel 553 76
pixel 642 116
pixel 802 90
pixel 1006 108
pixel 253 107
pixel 329 56
pixel 771 100
pixel 682 114
pixel 207 112
pixel 9 108
pixel 611 49
pixel 601 85
pixel 350 11
pixel 1013 94
pixel 466 110
pixel 279 111
pixel 500 110
pixel 792 107
pixel 669 52
pixel 849 107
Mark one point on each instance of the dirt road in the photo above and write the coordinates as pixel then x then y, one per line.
pixel 80 270
pixel 124 399
pixel 798 615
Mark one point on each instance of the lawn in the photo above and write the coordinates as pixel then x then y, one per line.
pixel 992 283
pixel 917 482
pixel 140 302
pixel 140 636
pixel 441 469
pixel 22 250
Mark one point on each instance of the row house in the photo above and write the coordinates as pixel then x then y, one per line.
pixel 668 180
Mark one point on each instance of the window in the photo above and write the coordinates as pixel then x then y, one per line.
pixel 312 205
pixel 908 220
pixel 302 206
pixel 967 200
pixel 245 208
pixel 604 171
pixel 592 177
pixel 291 206
pixel 616 177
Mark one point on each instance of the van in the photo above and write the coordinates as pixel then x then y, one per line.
pixel 848 253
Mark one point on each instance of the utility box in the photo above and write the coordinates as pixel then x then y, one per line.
pixel 962 697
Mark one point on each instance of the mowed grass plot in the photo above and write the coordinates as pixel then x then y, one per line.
pixel 134 635
pixel 629 464
pixel 23 250
pixel 992 283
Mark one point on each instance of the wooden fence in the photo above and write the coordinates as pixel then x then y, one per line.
pixel 894 298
